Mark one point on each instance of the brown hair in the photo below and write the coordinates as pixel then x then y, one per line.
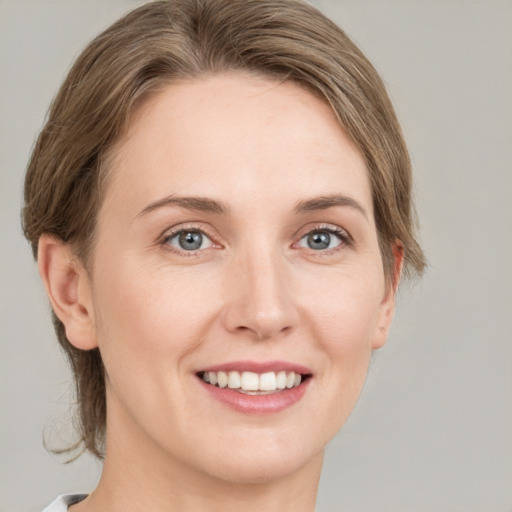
pixel 167 40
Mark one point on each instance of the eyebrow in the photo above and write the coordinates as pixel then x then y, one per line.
pixel 324 202
pixel 198 204
pixel 208 205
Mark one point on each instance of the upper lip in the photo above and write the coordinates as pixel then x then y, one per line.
pixel 258 367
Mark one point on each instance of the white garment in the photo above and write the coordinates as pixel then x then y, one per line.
pixel 62 503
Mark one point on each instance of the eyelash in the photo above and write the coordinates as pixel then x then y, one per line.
pixel 169 235
pixel 344 237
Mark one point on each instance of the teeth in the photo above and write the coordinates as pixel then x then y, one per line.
pixel 268 381
pixel 252 382
pixel 234 380
pixel 222 379
pixel 281 380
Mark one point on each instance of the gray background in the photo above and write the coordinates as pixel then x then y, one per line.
pixel 433 430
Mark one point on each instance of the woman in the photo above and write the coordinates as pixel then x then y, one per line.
pixel 220 206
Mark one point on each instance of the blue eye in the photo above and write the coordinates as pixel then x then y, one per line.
pixel 189 240
pixel 322 239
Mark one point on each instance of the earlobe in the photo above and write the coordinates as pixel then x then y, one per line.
pixel 68 289
pixel 388 303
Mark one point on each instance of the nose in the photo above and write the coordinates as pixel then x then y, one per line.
pixel 261 302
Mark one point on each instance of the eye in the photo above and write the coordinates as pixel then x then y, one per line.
pixel 189 240
pixel 323 239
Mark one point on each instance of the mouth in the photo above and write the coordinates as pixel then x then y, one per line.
pixel 253 383
pixel 256 387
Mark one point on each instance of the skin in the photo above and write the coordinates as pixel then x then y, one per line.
pixel 255 291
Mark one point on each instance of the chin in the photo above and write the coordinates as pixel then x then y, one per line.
pixel 265 470
pixel 260 459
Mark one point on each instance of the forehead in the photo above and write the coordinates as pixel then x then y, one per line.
pixel 236 136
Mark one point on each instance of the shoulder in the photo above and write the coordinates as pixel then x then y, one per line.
pixel 62 503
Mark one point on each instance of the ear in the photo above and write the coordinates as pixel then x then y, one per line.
pixel 387 306
pixel 68 287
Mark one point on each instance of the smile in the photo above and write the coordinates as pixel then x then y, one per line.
pixel 253 383
pixel 259 388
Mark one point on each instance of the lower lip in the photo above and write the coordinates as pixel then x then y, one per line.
pixel 258 404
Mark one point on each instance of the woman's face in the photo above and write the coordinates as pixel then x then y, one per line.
pixel 236 240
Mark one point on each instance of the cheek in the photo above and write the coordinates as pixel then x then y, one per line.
pixel 148 312
pixel 150 321
pixel 345 309
pixel 343 319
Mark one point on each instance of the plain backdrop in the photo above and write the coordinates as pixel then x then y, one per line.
pixel 433 429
